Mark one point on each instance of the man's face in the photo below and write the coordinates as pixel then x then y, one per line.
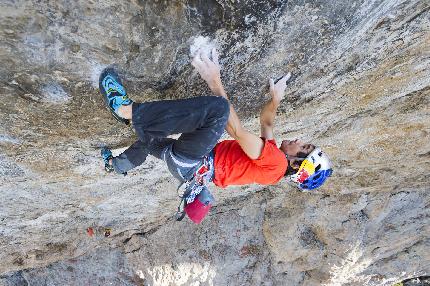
pixel 293 147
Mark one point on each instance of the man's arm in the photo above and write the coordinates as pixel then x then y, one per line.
pixel 268 113
pixel 250 143
pixel 209 70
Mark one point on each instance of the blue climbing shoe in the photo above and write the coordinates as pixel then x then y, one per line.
pixel 113 93
pixel 107 155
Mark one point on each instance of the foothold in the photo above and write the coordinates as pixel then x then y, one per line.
pixel 75 48
pixel 54 93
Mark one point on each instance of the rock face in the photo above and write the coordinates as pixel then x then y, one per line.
pixel 360 89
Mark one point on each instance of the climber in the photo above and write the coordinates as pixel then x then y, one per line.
pixel 196 158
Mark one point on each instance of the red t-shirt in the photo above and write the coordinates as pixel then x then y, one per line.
pixel 234 167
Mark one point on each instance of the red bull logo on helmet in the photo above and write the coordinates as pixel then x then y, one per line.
pixel 307 169
pixel 307 178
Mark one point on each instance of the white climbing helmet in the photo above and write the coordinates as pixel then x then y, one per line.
pixel 313 171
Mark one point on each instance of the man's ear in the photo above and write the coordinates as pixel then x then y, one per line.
pixel 296 162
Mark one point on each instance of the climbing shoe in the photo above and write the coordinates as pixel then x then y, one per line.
pixel 113 93
pixel 107 155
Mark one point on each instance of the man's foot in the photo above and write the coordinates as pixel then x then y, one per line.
pixel 114 93
pixel 107 156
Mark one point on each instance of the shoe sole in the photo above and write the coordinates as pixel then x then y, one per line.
pixel 112 73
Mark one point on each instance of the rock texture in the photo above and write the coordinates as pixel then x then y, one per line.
pixel 361 89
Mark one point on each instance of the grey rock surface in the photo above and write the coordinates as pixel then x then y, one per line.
pixel 360 89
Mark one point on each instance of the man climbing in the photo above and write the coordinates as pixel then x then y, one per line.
pixel 195 159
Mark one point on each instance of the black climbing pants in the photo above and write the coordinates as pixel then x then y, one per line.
pixel 200 120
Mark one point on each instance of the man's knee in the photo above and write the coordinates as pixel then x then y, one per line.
pixel 221 106
pixel 225 106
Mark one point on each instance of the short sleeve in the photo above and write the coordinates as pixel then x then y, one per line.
pixel 270 155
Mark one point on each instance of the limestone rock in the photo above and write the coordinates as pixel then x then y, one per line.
pixel 360 89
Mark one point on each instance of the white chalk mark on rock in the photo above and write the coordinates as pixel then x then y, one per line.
pixel 204 44
pixel 95 73
pixel 54 93
pixel 350 268
pixel 7 139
